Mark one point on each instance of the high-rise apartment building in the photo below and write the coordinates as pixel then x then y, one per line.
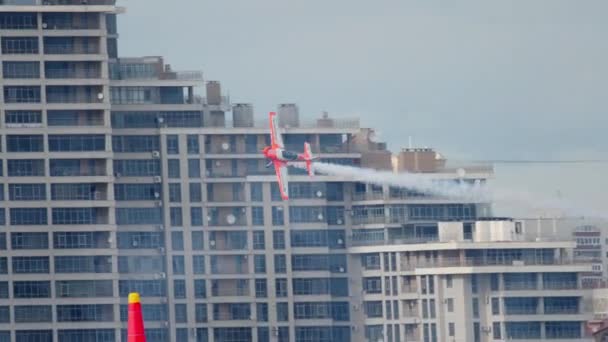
pixel 118 176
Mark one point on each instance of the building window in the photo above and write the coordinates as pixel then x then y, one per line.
pixel 173 165
pixel 280 263
pixel 28 216
pixel 450 304
pixel 261 288
pixel 175 192
pixel 194 168
pixel 196 216
pixel 196 194
pixel 24 143
pixel 19 45
pixel 278 239
pixel 495 306
pixel 258 240
pixel 200 288
pixel 278 217
pixel 496 331
pixel 257 216
pixel 179 288
pixel 23 117
pixel 193 144
pixel 172 144
pixel 448 281
pixel 281 287
pixel 198 240
pixel 259 263
pixel 176 217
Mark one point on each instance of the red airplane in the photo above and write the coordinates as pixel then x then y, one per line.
pixel 278 156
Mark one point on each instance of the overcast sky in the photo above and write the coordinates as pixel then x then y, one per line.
pixel 474 79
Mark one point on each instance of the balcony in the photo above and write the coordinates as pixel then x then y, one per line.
pixel 78 167
pixel 74 94
pixel 72 70
pixel 225 192
pixel 230 288
pixel 227 216
pixel 231 311
pixel 82 46
pixel 409 308
pixel 482 262
pixel 71 21
pixel 68 118
pixel 227 241
pixel 229 264
pixel 182 75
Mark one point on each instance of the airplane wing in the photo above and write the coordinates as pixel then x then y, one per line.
pixel 282 178
pixel 275 134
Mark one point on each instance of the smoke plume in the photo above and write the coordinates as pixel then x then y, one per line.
pixel 453 189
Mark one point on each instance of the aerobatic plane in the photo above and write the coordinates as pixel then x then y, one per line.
pixel 280 158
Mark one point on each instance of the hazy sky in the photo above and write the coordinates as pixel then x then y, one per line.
pixel 474 79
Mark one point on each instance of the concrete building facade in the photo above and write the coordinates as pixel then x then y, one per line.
pixel 118 175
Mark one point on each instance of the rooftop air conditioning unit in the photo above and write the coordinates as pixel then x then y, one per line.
pixel 155 154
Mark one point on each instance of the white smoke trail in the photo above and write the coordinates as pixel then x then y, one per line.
pixel 414 181
pixel 475 193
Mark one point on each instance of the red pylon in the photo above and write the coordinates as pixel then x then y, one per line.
pixel 135 327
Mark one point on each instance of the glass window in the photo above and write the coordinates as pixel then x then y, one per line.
pixel 257 216
pixel 177 241
pixel 175 192
pixel 77 143
pixel 194 168
pixel 258 240
pixel 19 45
pixel 193 144
pixel 198 240
pixel 280 263
pixel 179 288
pixel 173 165
pixel 28 216
pixel 181 315
pixel 27 192
pixel 172 144
pixel 259 263
pixel 278 239
pixel 256 192
pixel 198 264
pixel 196 216
pixel 196 194
pixel 281 287
pixel 175 214
pixel 261 288
pixel 24 143
pixel 282 312
pixel 135 143
pixel 25 167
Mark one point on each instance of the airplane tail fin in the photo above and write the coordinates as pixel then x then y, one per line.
pixel 135 330
pixel 308 158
